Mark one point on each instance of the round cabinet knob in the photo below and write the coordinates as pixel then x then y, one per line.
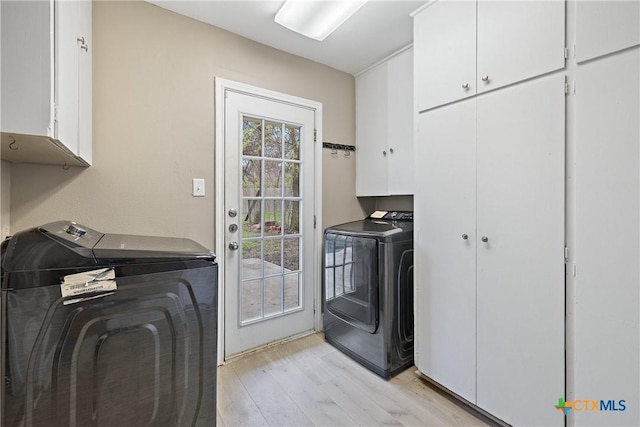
pixel 485 239
pixel 234 246
pixel 485 79
pixel 384 153
pixel 391 150
pixel 465 86
pixel 465 236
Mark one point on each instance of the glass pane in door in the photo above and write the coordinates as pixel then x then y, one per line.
pixel 271 209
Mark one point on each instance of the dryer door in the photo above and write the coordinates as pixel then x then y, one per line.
pixel 351 279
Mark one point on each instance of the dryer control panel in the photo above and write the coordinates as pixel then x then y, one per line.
pixel 392 215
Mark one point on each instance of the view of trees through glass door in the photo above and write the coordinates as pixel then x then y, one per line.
pixel 271 211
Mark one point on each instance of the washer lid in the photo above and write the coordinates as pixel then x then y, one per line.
pixel 381 229
pixel 140 248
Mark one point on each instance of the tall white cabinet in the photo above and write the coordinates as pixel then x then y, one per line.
pixel 520 251
pixel 608 236
pixel 490 249
pixel 445 247
pixel 607 253
pixel 490 207
pixel 46 95
pixel 527 202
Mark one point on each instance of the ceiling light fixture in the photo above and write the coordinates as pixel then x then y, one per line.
pixel 316 19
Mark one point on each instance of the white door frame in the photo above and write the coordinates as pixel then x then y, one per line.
pixel 222 86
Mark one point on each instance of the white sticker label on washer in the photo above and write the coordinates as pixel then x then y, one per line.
pixel 101 280
pixel 378 214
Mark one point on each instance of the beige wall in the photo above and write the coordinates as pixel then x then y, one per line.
pixel 153 127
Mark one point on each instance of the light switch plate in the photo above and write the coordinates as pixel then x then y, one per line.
pixel 198 187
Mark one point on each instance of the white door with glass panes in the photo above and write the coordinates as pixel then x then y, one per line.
pixel 269 221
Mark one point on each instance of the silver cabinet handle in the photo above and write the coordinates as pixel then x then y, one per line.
pixel 485 78
pixel 465 236
pixel 234 246
pixel 83 46
pixel 465 86
pixel 485 239
pixel 233 213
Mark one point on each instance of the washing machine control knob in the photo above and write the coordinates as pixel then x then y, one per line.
pixel 74 230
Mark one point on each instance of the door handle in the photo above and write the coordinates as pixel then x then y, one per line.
pixel 234 246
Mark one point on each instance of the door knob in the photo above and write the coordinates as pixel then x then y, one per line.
pixel 233 213
pixel 485 239
pixel 465 236
pixel 234 246
pixel 465 86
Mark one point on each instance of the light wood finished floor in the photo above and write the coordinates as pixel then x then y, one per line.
pixel 307 382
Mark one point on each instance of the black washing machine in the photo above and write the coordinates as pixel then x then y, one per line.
pixel 106 330
pixel 368 291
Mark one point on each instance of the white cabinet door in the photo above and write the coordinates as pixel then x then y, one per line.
pixel 445 53
pixel 66 75
pixel 27 68
pixel 520 275
pixel 445 245
pixel 607 333
pixel 606 26
pixel 46 81
pixel 371 128
pixel 400 124
pixel 511 40
pixel 518 40
pixel 85 85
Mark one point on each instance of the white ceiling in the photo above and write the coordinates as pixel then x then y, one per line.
pixel 378 29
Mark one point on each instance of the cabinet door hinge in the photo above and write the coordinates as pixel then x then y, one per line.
pixel 566 86
pixel 566 53
pixel 315 135
pixel 315 224
pixel 566 254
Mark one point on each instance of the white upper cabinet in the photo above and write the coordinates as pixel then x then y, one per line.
pixel 400 124
pixel 444 43
pixel 384 128
pixel 604 27
pixel 507 41
pixel 518 40
pixel 371 132
pixel 46 82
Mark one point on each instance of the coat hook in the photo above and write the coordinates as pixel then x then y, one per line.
pixel 334 150
pixel 347 153
pixel 65 167
pixel 12 145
